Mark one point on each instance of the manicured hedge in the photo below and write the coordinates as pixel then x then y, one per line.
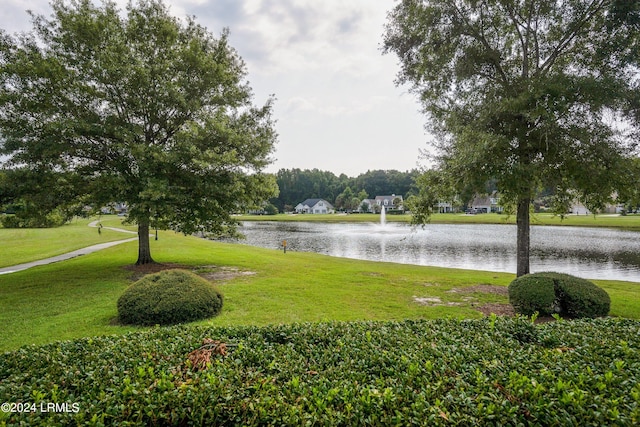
pixel 494 371
pixel 579 297
pixel 548 293
pixel 167 298
pixel 533 293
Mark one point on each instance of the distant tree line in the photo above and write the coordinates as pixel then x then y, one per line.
pixel 342 191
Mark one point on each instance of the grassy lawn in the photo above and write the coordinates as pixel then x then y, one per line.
pixel 18 246
pixel 77 298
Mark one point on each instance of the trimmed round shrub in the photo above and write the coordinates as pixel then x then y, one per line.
pixel 533 293
pixel 579 297
pixel 167 298
pixel 571 297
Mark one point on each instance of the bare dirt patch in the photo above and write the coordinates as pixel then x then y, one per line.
pixel 434 302
pixel 497 309
pixel 224 274
pixel 483 289
pixel 210 272
pixel 486 309
pixel 429 284
pixel 140 271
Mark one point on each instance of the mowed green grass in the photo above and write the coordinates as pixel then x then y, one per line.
pixel 18 246
pixel 77 298
pixel 630 222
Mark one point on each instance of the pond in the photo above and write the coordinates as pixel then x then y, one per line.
pixel 594 253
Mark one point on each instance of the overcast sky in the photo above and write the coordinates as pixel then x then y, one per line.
pixel 337 107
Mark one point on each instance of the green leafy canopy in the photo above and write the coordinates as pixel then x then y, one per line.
pixel 138 107
pixel 518 91
pixel 526 93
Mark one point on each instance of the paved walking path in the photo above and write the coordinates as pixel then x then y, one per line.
pixel 96 224
pixel 69 255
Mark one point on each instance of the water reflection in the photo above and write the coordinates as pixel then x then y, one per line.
pixel 587 252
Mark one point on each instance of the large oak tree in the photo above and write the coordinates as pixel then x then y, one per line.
pixel 99 105
pixel 528 94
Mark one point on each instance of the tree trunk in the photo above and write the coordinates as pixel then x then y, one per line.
pixel 144 249
pixel 522 221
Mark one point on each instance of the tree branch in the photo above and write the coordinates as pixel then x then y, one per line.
pixel 523 43
pixel 478 36
pixel 571 34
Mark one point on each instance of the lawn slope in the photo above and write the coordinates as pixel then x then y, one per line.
pixel 77 298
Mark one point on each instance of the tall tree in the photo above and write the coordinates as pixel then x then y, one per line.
pixel 137 107
pixel 624 28
pixel 525 92
pixel 349 200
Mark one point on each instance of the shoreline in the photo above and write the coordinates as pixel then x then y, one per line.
pixel 626 222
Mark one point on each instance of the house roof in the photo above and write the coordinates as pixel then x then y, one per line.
pixel 486 199
pixel 481 201
pixel 312 202
pixel 391 197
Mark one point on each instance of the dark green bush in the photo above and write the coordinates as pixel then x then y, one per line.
pixel 579 297
pixel 24 220
pixel 569 295
pixel 169 297
pixel 533 293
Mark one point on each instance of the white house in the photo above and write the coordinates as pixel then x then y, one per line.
pixel 445 207
pixel 487 203
pixel 115 208
pixel 315 206
pixel 375 205
pixel 579 209
pixel 388 201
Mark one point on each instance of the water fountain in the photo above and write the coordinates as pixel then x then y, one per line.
pixel 596 253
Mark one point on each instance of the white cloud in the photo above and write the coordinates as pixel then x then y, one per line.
pixel 287 35
pixel 334 108
pixel 336 105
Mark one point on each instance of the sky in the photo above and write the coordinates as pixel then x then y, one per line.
pixel 337 107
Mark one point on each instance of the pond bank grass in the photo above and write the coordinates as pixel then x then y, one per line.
pixel 628 222
pixel 77 298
